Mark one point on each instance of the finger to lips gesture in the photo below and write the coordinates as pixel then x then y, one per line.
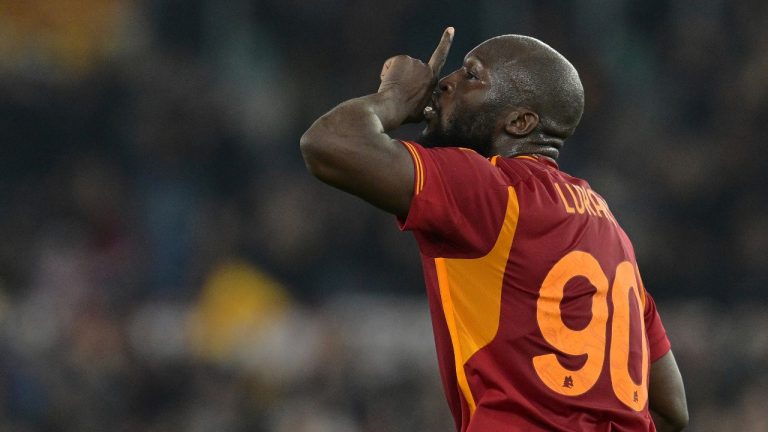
pixel 436 62
pixel 412 80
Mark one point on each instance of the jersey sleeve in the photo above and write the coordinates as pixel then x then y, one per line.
pixel 458 203
pixel 658 343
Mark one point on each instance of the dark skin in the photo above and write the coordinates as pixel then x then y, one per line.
pixel 512 96
pixel 666 395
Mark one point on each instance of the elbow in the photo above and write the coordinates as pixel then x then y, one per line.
pixel 311 147
pixel 315 151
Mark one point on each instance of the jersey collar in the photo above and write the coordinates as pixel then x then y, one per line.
pixel 548 161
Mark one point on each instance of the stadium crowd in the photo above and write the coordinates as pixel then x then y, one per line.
pixel 167 264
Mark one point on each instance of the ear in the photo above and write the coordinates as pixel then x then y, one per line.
pixel 520 122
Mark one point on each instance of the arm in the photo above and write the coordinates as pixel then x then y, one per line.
pixel 667 403
pixel 349 147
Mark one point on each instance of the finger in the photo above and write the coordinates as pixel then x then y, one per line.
pixel 437 60
pixel 391 62
pixel 385 68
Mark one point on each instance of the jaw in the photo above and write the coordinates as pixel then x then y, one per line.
pixel 430 138
pixel 432 135
pixel 470 131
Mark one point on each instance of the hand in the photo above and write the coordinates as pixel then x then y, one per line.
pixel 411 82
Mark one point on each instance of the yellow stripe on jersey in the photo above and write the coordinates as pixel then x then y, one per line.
pixel 418 183
pixel 525 157
pixel 470 292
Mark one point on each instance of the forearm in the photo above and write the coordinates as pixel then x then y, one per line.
pixel 367 115
pixel 351 132
pixel 406 86
pixel 349 148
pixel 666 395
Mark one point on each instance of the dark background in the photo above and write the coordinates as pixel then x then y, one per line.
pixel 167 264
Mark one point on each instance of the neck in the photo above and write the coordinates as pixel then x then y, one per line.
pixel 517 148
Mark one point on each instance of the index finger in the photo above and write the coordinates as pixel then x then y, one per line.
pixel 437 60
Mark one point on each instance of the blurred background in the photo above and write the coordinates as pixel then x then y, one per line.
pixel 167 264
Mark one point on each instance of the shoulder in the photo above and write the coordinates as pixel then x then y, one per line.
pixel 459 200
pixel 461 167
pixel 458 154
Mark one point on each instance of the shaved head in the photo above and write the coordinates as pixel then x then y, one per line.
pixel 531 74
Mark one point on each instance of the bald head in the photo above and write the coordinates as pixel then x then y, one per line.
pixel 529 73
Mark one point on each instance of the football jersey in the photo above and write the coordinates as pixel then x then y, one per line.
pixel 540 318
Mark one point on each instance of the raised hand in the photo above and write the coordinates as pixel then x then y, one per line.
pixel 411 82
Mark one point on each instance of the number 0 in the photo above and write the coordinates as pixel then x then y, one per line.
pixel 591 340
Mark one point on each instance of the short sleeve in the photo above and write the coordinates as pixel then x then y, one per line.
pixel 458 203
pixel 658 342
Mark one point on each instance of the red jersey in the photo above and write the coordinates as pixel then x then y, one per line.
pixel 540 317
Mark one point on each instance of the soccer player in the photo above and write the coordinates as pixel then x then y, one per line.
pixel 540 317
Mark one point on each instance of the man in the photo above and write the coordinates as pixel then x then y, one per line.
pixel 540 317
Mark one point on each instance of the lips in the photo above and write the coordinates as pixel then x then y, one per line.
pixel 432 109
pixel 429 113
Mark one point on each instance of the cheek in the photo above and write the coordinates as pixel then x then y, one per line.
pixel 462 114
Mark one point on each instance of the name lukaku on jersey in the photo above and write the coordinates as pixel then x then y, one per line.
pixel 583 200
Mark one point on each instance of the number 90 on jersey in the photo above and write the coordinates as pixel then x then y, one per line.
pixel 592 339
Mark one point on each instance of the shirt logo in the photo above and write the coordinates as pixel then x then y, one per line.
pixel 568 382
